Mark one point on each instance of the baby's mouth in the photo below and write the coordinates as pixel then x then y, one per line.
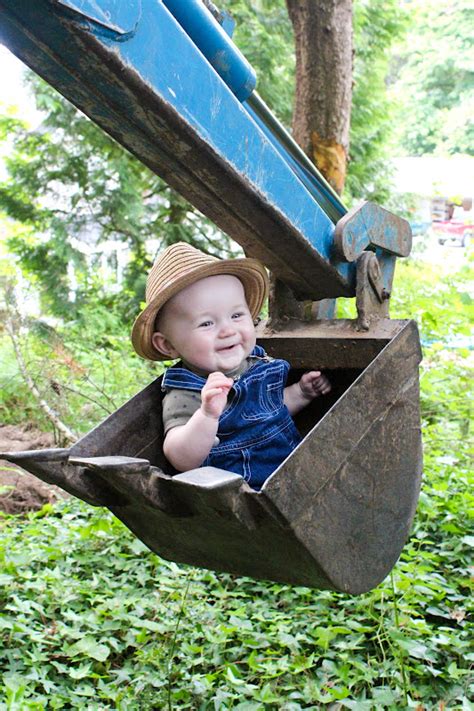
pixel 228 349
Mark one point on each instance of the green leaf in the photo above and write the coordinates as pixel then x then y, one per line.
pixel 88 647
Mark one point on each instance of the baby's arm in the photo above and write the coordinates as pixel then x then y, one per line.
pixel 187 446
pixel 300 394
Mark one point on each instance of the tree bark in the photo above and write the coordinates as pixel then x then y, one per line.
pixel 321 117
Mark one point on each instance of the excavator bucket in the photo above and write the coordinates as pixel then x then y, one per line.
pixel 337 511
pixel 334 515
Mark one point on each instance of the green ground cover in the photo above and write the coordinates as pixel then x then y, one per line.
pixel 92 620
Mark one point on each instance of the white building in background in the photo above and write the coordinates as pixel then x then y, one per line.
pixel 108 260
pixel 429 176
pixel 432 181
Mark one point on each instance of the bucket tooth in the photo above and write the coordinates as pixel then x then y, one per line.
pixel 52 466
pixel 136 481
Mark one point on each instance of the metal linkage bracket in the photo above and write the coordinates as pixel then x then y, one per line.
pixel 371 226
pixel 371 295
pixel 372 237
pixel 284 307
pixel 372 298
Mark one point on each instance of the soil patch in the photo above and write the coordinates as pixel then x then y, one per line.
pixel 20 491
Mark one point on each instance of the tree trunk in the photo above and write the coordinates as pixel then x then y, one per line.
pixel 321 117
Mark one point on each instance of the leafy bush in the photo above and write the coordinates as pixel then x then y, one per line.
pixel 85 369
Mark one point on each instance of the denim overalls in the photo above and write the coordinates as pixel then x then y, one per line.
pixel 256 431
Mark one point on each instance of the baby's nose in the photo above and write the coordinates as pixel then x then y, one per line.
pixel 226 328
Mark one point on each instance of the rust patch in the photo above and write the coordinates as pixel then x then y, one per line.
pixel 330 157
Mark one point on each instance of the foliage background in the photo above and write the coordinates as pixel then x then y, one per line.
pixel 90 618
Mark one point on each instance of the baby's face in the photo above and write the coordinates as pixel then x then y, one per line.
pixel 208 324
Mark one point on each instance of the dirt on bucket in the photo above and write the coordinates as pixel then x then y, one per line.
pixel 20 491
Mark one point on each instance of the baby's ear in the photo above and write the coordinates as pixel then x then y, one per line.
pixel 162 344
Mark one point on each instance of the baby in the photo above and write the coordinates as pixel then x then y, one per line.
pixel 226 404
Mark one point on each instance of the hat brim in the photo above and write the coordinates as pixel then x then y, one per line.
pixel 250 272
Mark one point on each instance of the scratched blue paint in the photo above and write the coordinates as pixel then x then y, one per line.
pixel 177 70
pixel 215 44
pixel 162 54
pixel 333 208
pixel 228 23
pixel 118 16
pixel 375 220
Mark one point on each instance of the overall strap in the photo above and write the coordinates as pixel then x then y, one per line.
pixel 182 378
pixel 258 352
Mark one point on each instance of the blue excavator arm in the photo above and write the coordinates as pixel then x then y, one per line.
pixel 166 81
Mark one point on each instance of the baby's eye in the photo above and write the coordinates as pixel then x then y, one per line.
pixel 238 314
pixel 205 324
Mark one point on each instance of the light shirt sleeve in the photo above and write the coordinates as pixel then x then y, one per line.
pixel 178 407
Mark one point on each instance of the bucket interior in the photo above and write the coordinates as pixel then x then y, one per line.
pixel 136 428
pixel 310 415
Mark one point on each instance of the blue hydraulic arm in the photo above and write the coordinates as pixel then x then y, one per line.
pixel 166 81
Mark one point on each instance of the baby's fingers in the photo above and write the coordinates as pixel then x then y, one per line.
pixel 322 385
pixel 325 388
pixel 218 380
pixel 318 382
pixel 209 393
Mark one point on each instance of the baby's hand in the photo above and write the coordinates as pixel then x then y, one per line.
pixel 313 384
pixel 214 394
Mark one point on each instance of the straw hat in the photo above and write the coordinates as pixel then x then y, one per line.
pixel 181 265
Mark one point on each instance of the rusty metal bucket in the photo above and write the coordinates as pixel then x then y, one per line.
pixel 334 515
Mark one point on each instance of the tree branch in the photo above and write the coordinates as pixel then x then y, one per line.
pixel 12 316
